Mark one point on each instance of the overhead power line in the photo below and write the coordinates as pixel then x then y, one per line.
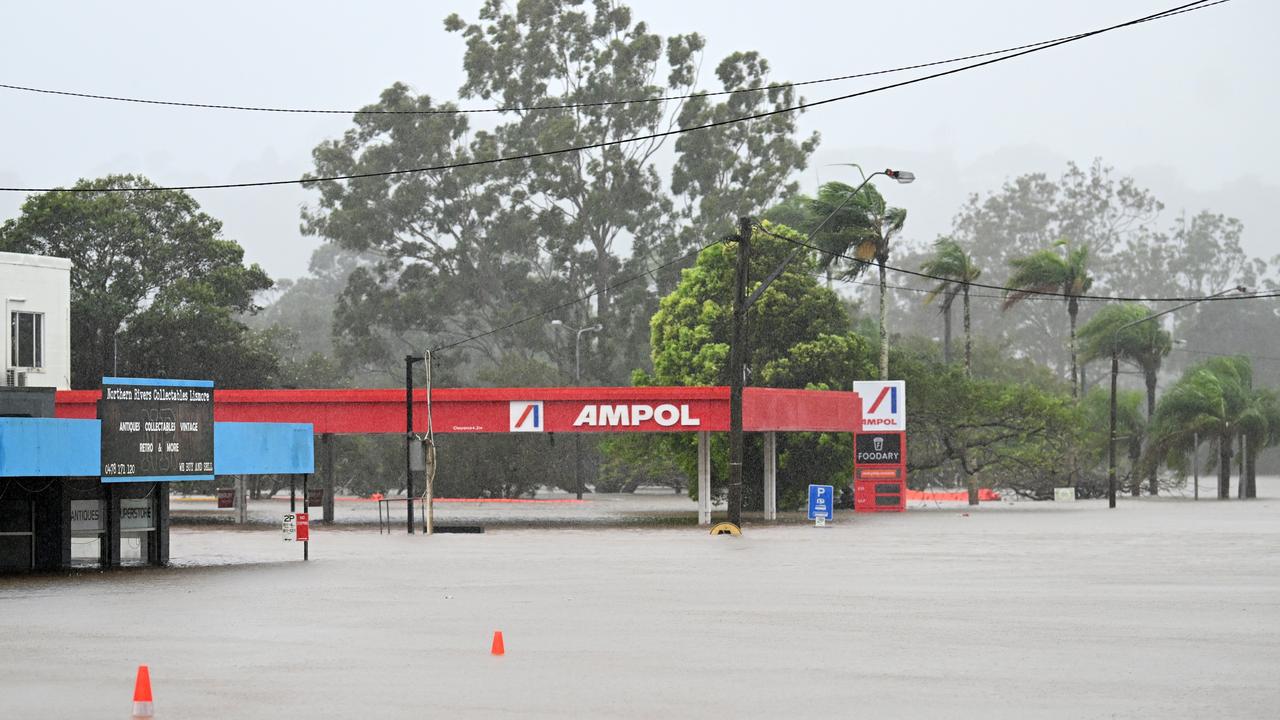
pixel 1265 358
pixel 1003 288
pixel 640 138
pixel 567 105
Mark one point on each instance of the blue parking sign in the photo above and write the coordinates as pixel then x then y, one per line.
pixel 821 502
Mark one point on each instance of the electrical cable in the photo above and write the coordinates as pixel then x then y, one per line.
pixel 1268 358
pixel 562 106
pixel 606 289
pixel 986 296
pixel 637 138
pixel 1042 293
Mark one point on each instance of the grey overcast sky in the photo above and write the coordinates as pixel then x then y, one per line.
pixel 1187 106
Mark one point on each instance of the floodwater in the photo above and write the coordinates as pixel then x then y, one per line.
pixel 1163 608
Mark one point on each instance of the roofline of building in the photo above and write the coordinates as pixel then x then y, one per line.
pixel 26 260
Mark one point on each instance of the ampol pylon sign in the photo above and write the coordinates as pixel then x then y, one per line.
pixel 880 449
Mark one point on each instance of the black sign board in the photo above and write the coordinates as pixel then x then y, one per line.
pixel 315 497
pixel 154 430
pixel 877 449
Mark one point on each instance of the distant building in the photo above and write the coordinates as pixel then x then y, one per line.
pixel 35 295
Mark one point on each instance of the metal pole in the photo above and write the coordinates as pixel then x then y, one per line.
pixel 408 440
pixel 577 437
pixel 306 544
pixel 429 467
pixel 292 489
pixel 736 362
pixel 1195 461
pixel 1111 444
pixel 577 357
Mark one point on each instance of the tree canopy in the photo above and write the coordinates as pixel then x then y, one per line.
pixel 156 290
pixel 469 250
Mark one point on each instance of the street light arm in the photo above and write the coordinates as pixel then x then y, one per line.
pixel 755 295
pixel 1239 288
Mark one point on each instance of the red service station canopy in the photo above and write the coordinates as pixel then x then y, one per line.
pixel 503 410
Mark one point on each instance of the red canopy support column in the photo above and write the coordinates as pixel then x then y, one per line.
pixel 704 478
pixel 771 475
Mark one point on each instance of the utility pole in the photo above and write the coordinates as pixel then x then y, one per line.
pixel 409 360
pixel 737 343
pixel 737 364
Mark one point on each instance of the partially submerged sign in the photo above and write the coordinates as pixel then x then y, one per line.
pixel 86 516
pixel 821 502
pixel 226 498
pixel 296 527
pixel 137 514
pixel 154 430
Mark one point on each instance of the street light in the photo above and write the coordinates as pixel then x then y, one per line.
pixel 577 345
pixel 409 360
pixel 577 379
pixel 1115 372
pixel 737 341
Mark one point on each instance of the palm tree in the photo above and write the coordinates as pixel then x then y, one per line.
pixel 1211 400
pixel 1144 345
pixel 1260 428
pixel 1050 271
pixel 950 261
pixel 865 229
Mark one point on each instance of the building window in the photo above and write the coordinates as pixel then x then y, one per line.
pixel 26 340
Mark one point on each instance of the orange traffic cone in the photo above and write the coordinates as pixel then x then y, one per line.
pixel 142 707
pixel 498 648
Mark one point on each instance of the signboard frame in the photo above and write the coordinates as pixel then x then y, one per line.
pixel 156 430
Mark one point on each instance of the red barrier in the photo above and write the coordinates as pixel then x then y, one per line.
pixel 984 495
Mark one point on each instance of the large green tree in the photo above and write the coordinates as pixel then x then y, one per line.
pixel 466 251
pixel 156 290
pixel 797 336
pixel 1144 345
pixel 1065 272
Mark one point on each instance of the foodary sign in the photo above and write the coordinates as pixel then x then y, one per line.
pixel 878 449
pixel 155 430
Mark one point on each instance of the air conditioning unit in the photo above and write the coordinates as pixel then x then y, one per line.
pixel 15 378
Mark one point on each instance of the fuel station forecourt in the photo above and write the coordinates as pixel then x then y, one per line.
pixel 700 410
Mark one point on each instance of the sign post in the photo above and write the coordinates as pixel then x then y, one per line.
pixel 296 527
pixel 821 504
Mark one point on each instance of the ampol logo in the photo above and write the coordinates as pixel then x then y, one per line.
pixel 884 404
pixel 526 415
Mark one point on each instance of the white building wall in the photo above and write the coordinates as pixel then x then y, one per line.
pixel 38 284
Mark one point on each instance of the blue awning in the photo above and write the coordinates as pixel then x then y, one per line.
pixel 56 447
